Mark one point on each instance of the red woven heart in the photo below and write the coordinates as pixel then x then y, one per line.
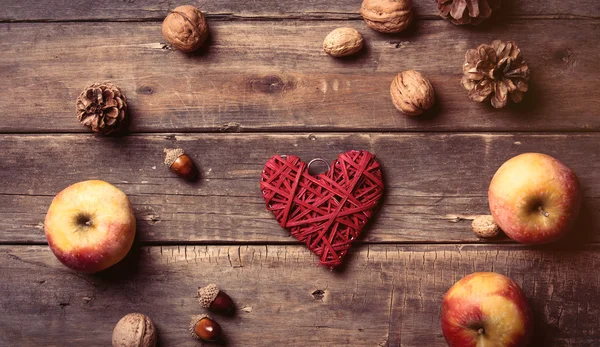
pixel 326 212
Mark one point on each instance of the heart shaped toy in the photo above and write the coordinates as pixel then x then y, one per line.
pixel 326 212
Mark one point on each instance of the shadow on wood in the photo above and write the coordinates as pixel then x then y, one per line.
pixel 585 228
pixel 124 271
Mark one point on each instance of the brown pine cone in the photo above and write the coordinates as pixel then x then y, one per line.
pixel 467 11
pixel 495 72
pixel 102 106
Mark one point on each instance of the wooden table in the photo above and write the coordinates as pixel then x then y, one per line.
pixel 263 87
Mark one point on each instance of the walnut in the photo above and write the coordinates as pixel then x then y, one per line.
pixel 485 226
pixel 387 16
pixel 412 94
pixel 185 28
pixel 134 330
pixel 342 42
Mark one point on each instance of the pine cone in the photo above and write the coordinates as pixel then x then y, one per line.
pixel 467 11
pixel 102 106
pixel 497 70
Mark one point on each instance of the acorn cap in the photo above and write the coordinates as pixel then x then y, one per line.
pixel 171 154
pixel 208 294
pixel 193 322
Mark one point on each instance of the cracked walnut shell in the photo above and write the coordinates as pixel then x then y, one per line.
pixel 485 226
pixel 387 16
pixel 412 94
pixel 185 28
pixel 342 42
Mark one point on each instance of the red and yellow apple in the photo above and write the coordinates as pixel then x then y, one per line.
pixel 534 198
pixel 90 226
pixel 486 309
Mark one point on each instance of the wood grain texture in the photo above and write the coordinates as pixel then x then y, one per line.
pixel 431 179
pixel 56 10
pixel 386 296
pixel 274 76
pixel 264 72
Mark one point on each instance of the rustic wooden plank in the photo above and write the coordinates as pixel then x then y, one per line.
pixel 430 180
pixel 264 76
pixel 387 295
pixel 56 10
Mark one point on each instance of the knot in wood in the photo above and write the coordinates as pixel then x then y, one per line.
pixel 268 84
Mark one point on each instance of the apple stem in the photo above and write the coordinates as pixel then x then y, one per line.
pixel 546 214
pixel 88 223
pixel 480 331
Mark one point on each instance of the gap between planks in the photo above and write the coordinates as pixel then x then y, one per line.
pixel 313 16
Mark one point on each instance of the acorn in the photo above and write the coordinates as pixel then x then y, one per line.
pixel 202 327
pixel 214 299
pixel 180 163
